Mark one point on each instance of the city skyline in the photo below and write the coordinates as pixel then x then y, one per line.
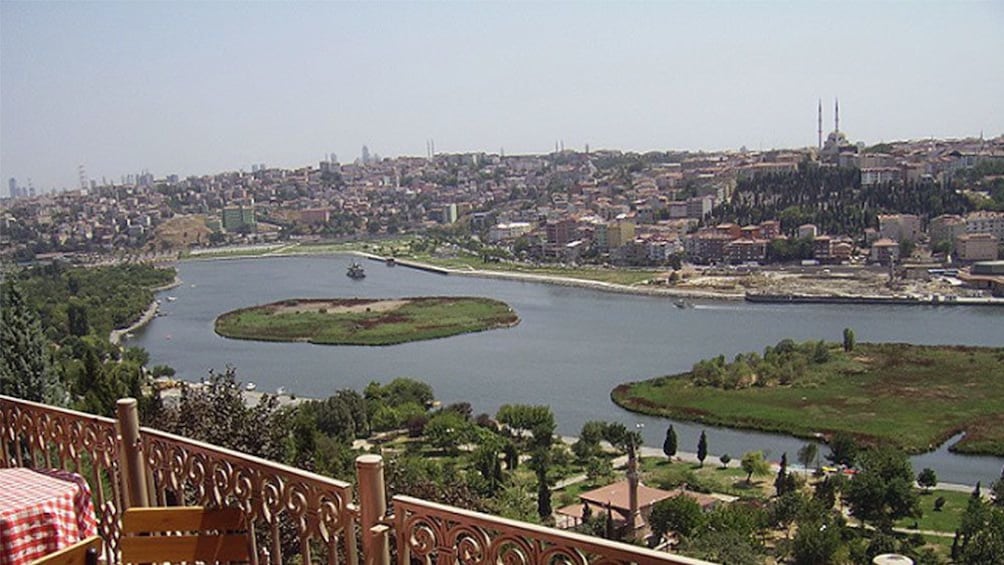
pixel 201 88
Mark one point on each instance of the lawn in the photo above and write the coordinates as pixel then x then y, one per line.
pixel 365 321
pixel 627 277
pixel 914 397
pixel 947 520
pixel 712 477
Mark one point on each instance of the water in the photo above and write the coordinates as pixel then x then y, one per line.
pixel 570 349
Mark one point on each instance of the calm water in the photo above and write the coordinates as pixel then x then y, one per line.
pixel 571 348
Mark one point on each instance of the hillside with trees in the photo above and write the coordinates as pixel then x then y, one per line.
pixel 834 200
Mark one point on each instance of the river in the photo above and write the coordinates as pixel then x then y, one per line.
pixel 571 348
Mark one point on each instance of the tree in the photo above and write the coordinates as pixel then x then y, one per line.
pixel 848 339
pixel 997 490
pixel 702 448
pixel 754 463
pixel 843 449
pixel 681 514
pixel 26 368
pixel 882 492
pixel 816 542
pixel 725 458
pixel 669 445
pixel 927 479
pixel 781 482
pixel 807 454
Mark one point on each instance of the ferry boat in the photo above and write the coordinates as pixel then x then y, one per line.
pixel 356 271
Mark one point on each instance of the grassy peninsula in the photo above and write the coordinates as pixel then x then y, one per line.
pixel 914 397
pixel 363 321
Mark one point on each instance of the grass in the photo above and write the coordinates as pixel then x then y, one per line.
pixel 365 321
pixel 613 276
pixel 947 520
pixel 712 477
pixel 914 397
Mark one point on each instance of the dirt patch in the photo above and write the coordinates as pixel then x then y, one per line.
pixel 338 306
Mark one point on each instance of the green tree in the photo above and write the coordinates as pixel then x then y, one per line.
pixel 807 454
pixel 681 514
pixel 781 482
pixel 882 492
pixel 26 368
pixel 725 458
pixel 447 430
pixel 927 478
pixel 848 339
pixel 983 534
pixel 702 448
pixel 843 449
pixel 76 314
pixel 816 541
pixel 669 444
pixel 997 490
pixel 754 463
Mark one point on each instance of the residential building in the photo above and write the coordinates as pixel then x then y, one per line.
pixel 946 227
pixel 508 231
pixel 986 222
pixel 899 227
pixel 976 247
pixel 746 251
pixel 885 251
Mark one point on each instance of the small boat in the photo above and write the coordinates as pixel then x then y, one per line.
pixel 391 261
pixel 250 387
pixel 280 391
pixel 172 298
pixel 356 271
pixel 682 304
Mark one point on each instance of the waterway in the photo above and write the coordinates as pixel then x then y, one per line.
pixel 571 348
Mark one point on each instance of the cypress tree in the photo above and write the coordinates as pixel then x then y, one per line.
pixel 26 369
pixel 669 445
pixel 702 448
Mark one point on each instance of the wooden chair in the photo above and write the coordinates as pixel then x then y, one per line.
pixel 84 552
pixel 184 534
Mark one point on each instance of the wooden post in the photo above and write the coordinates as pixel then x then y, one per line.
pixel 134 468
pixel 372 509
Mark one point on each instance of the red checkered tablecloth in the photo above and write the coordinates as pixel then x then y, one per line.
pixel 42 511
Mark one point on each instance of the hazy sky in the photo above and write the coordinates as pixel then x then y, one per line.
pixel 203 87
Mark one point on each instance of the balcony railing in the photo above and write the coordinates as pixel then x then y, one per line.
pixel 293 514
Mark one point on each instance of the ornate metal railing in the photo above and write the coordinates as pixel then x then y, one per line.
pixel 294 515
pixel 291 512
pixel 40 436
pixel 433 533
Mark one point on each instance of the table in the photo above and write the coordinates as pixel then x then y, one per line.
pixel 41 511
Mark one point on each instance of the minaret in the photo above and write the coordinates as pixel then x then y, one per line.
pixel 819 121
pixel 836 114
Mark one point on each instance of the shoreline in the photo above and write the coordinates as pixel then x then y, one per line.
pixel 116 335
pixel 655 291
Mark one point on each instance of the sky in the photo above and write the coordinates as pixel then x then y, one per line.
pixel 194 88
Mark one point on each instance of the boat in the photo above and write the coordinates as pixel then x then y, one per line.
pixel 250 387
pixel 391 261
pixel 682 304
pixel 356 271
pixel 172 298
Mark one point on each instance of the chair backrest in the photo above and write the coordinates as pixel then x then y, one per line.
pixel 184 534
pixel 84 552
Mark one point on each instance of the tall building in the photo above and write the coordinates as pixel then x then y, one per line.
pixel 238 216
pixel 12 187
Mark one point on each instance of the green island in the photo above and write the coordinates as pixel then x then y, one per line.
pixel 365 321
pixel 910 396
